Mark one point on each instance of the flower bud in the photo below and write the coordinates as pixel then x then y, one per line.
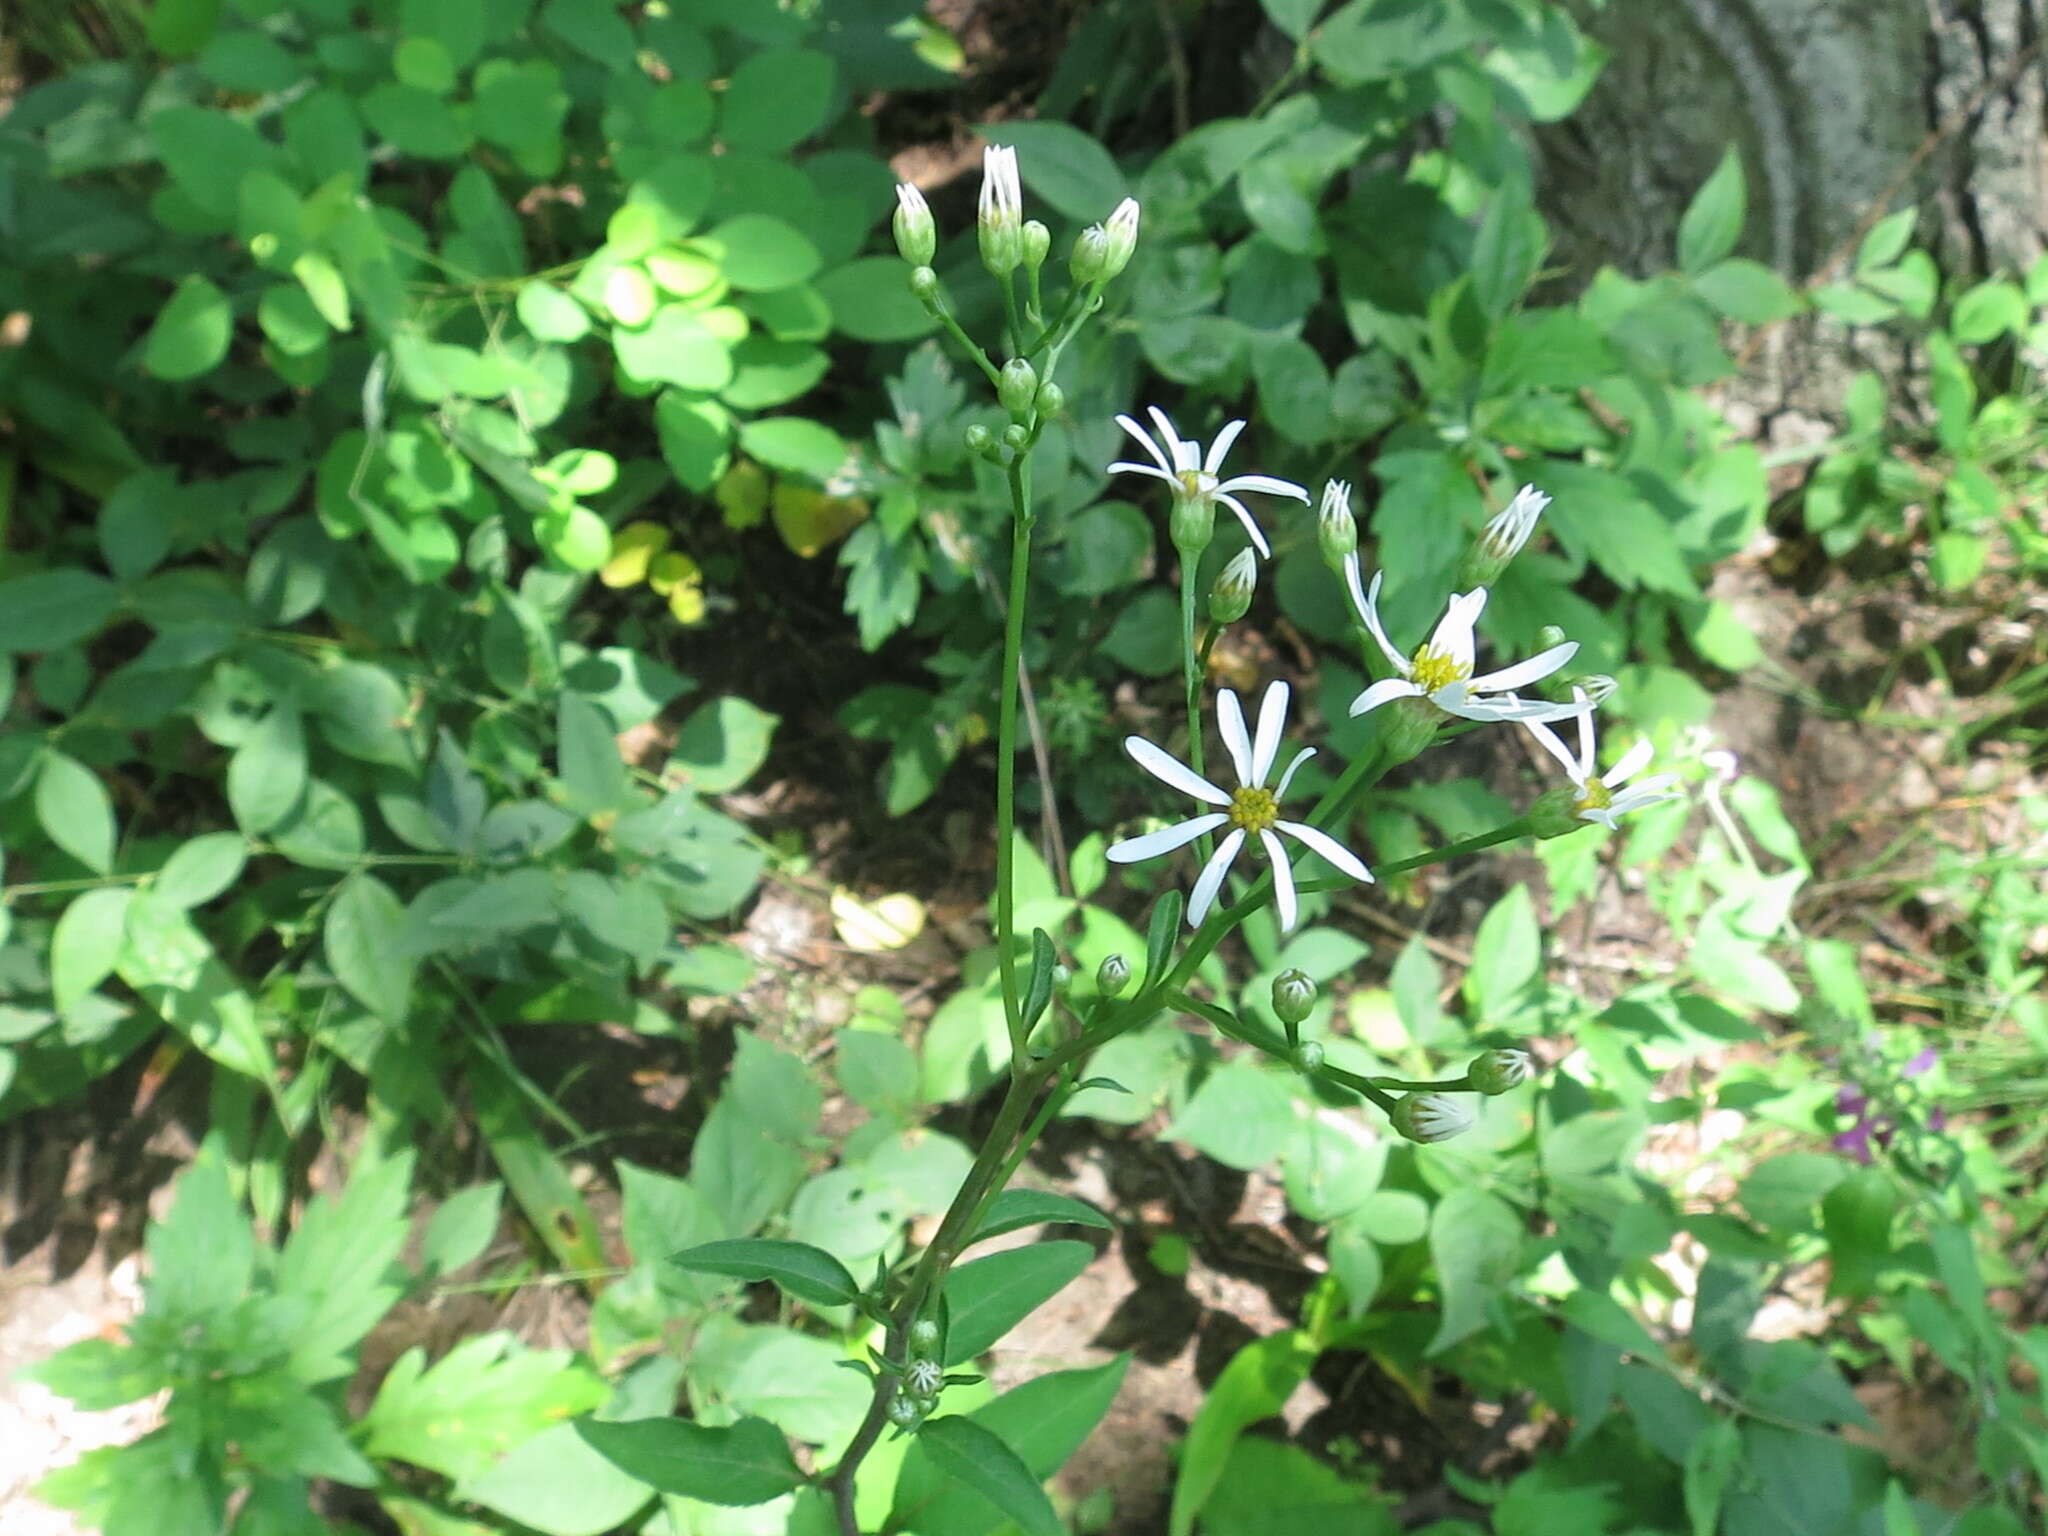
pixel 1555 812
pixel 1549 635
pixel 1036 240
pixel 1062 978
pixel 1231 596
pixel 1016 437
pixel 1431 1117
pixel 1192 524
pixel 924 1378
pixel 1599 687
pixel 1113 975
pixel 1294 996
pixel 1122 230
pixel 1336 529
pixel 979 440
pixel 1308 1056
pixel 1498 1071
pixel 1089 264
pixel 999 223
pixel 1502 538
pixel 924 1337
pixel 1052 400
pixel 917 238
pixel 1017 387
pixel 924 286
pixel 1410 725
pixel 905 1412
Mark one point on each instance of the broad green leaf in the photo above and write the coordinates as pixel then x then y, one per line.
pixel 86 942
pixel 1256 1385
pixel 462 1227
pixel 1713 222
pixel 977 1457
pixel 177 29
pixel 557 1484
pixel 191 333
pixel 587 752
pixel 763 253
pixel 1242 1116
pixel 794 444
pixel 807 1273
pixel 48 610
pixel 1506 957
pixel 203 1253
pixel 550 314
pixel 1476 1239
pixel 988 1297
pixel 722 743
pixel 74 809
pixel 367 942
pixel 267 774
pixel 1747 291
pixel 1017 1208
pixel 135 525
pixel 676 347
pixel 486 1395
pixel 776 99
pixel 1988 311
pixel 870 300
pixel 338 1268
pixel 743 1463
pixel 177 972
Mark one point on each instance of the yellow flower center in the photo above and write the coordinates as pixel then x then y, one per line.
pixel 1438 669
pixel 1253 810
pixel 1196 485
pixel 1596 798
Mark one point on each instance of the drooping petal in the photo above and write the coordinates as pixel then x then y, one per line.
pixel 1165 840
pixel 1457 700
pixel 1588 757
pixel 1170 770
pixel 1221 446
pixel 1251 525
pixel 1210 881
pixel 1283 881
pixel 1368 605
pixel 1523 673
pixel 1287 778
pixel 1453 636
pixel 1230 721
pixel 1159 455
pixel 1272 720
pixel 1332 851
pixel 1384 691
pixel 1638 798
pixel 1605 816
pixel 1266 483
pixel 1125 467
pixel 1633 762
pixel 1547 739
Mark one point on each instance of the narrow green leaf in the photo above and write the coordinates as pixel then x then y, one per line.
pixel 1159 935
pixel 1254 1386
pixel 1710 1464
pixel 201 869
pixel 1713 223
pixel 807 1273
pixel 267 774
pixel 966 1452
pixel 366 938
pixel 588 754
pixel 1038 986
pixel 990 1296
pixel 743 1463
pixel 1015 1208
pixel 75 811
pixel 86 942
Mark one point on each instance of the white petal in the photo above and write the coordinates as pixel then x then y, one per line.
pixel 1453 635
pixel 1211 879
pixel 1636 800
pixel 1368 606
pixel 1454 700
pixel 1287 778
pixel 1601 818
pixel 1655 784
pixel 1588 758
pixel 1332 851
pixel 1221 446
pixel 1266 483
pixel 1633 762
pixel 1384 691
pixel 1283 881
pixel 1170 770
pixel 1183 452
pixel 1547 739
pixel 1145 441
pixel 1523 673
pixel 1272 721
pixel 1230 721
pixel 1165 840
pixel 1125 467
pixel 1251 525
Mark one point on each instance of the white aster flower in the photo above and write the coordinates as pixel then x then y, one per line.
pixel 1502 538
pixel 1252 810
pixel 1601 797
pixel 1432 1117
pixel 1181 464
pixel 1441 669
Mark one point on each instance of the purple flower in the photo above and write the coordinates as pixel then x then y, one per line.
pixel 1922 1062
pixel 1854 1143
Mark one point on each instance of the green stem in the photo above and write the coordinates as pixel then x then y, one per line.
pixel 1191 677
pixel 1006 754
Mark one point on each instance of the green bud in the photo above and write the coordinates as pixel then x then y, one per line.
pixel 1016 437
pixel 979 440
pixel 1017 388
pixel 924 1337
pixel 1122 230
pixel 1113 975
pixel 1431 1117
pixel 999 223
pixel 1192 524
pixel 1336 528
pixel 924 284
pixel 1052 400
pixel 1294 996
pixel 1548 636
pixel 1089 265
pixel 905 1412
pixel 1410 725
pixel 1231 596
pixel 924 1378
pixel 917 239
pixel 1555 812
pixel 1498 1071
pixel 1062 978
pixel 1308 1056
pixel 1036 240
pixel 1502 539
